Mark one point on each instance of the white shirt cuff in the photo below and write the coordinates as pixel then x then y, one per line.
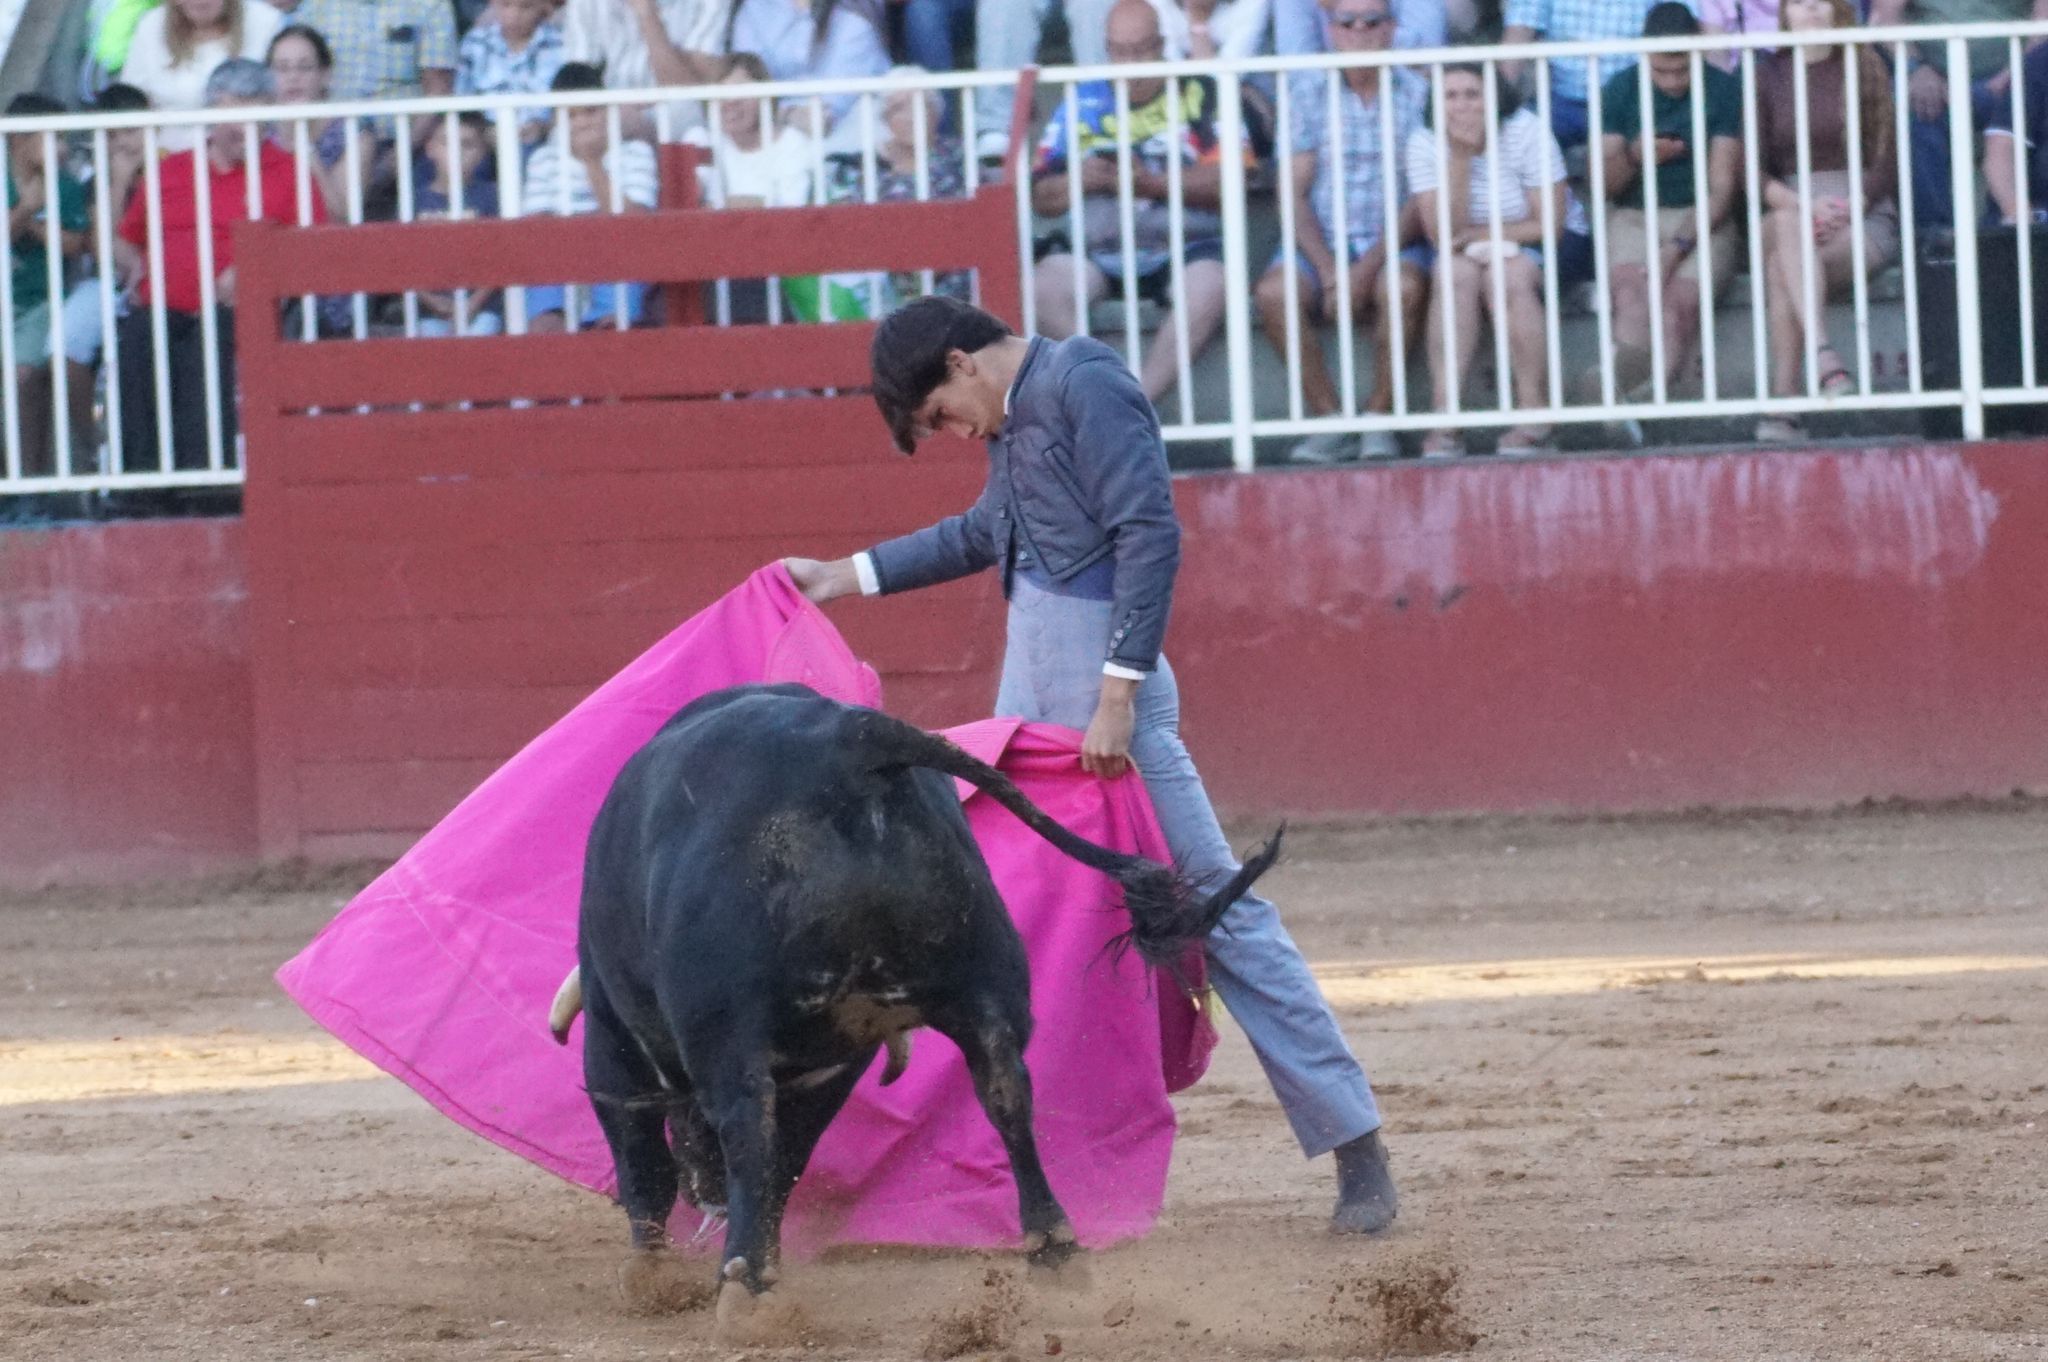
pixel 1127 673
pixel 864 570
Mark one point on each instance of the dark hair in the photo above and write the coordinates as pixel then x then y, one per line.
pixel 1507 97
pixel 33 106
pixel 120 97
pixel 473 119
pixel 577 75
pixel 909 355
pixel 322 53
pixel 1670 19
pixel 749 62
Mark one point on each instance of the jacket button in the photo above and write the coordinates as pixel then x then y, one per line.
pixel 1002 513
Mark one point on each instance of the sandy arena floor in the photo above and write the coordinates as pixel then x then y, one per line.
pixel 1709 1088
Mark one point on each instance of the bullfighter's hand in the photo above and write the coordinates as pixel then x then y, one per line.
pixel 821 582
pixel 1106 747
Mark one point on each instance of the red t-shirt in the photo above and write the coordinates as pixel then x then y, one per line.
pixel 278 180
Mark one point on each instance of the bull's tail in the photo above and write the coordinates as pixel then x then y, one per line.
pixel 1168 914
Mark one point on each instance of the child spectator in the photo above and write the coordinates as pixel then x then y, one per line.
pixel 456 191
pixel 515 49
pixel 39 196
pixel 84 316
pixel 749 167
pixel 574 172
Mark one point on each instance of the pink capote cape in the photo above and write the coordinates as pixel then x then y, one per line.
pixel 442 970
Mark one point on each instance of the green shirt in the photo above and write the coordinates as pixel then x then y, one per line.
pixel 31 259
pixel 1621 116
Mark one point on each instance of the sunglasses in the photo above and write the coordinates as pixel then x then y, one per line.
pixel 1361 23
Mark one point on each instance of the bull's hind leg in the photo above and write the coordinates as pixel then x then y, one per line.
pixel 992 1039
pixel 632 1108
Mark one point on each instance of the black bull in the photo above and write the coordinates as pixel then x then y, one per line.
pixel 777 887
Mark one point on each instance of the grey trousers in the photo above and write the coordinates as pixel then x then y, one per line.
pixel 1052 673
pixel 1006 37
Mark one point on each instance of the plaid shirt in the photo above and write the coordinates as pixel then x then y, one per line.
pixel 1366 172
pixel 1577 21
pixel 382 46
pixel 489 67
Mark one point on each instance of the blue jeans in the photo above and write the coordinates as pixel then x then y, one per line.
pixel 932 30
pixel 1934 196
pixel 1568 121
pixel 1052 673
pixel 600 301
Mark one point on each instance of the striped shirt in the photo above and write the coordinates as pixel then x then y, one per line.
pixel 1579 21
pixel 605 34
pixel 559 184
pixel 1530 161
pixel 1365 174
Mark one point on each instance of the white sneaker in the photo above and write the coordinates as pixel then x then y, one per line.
pixel 1379 444
pixel 1329 447
pixel 992 145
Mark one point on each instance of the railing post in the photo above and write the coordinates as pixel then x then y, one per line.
pixel 1237 321
pixel 1963 189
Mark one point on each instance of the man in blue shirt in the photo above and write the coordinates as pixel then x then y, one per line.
pixel 1078 516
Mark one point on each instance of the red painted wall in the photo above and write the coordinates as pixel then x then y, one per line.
pixel 1590 634
pixel 125 685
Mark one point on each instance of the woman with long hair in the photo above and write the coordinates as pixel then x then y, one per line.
pixel 302 64
pixel 1530 166
pixel 1826 216
pixel 177 46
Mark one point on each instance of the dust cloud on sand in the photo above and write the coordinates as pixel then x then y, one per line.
pixel 1719 1088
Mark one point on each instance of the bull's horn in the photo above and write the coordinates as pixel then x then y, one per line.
pixel 899 1057
pixel 568 1002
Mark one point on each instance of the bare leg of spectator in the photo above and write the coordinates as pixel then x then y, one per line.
pixel 1781 280
pixel 546 324
pixel 1203 302
pixel 1318 392
pixel 1681 326
pixel 1527 348
pixel 1414 289
pixel 1630 286
pixel 1052 284
pixel 79 384
pixel 1458 290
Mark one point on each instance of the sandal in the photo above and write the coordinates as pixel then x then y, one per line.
pixel 1779 430
pixel 1835 378
pixel 1443 444
pixel 1526 440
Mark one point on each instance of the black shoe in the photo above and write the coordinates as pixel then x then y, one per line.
pixel 1366 1200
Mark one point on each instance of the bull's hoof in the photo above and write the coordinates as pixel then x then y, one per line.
pixel 763 1319
pixel 658 1282
pixel 1056 1260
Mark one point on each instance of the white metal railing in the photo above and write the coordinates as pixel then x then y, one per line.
pixel 56 442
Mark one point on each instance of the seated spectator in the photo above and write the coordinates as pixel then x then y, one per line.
pixel 302 71
pixel 515 49
pixel 1629 152
pixel 1134 36
pixel 1006 34
pixel 1304 25
pixel 1531 166
pixel 1572 21
pixel 812 40
pixel 934 31
pixel 84 315
pixel 577 171
pixel 455 192
pixel 1215 30
pixel 642 43
pixel 1736 16
pixel 386 49
pixel 2002 149
pixel 756 161
pixel 1364 178
pixel 175 49
pixel 235 83
pixel 1929 96
pixel 39 196
pixel 896 178
pixel 1794 300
